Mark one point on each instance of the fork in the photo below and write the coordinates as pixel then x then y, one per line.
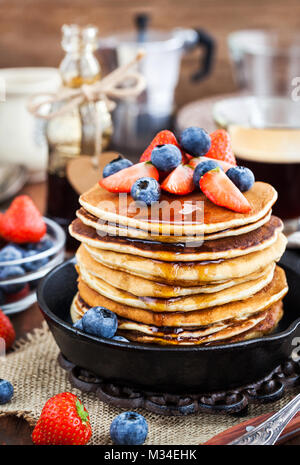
pixel 269 431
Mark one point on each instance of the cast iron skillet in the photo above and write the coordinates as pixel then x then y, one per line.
pixel 173 369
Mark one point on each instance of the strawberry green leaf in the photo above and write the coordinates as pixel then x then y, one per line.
pixel 82 413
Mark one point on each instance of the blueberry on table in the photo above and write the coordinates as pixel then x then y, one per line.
pixel 36 264
pixel 9 272
pixel 146 190
pixel 129 428
pixel 116 165
pixel 203 168
pixel 6 391
pixel 242 177
pixel 166 157
pixel 10 252
pixel 195 141
pixel 40 246
pixel 101 322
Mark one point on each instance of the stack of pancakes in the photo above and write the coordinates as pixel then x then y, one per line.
pixel 181 282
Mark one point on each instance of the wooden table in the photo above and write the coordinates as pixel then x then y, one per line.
pixel 14 430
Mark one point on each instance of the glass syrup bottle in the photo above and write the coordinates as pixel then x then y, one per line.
pixel 73 133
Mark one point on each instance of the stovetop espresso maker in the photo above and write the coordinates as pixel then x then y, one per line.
pixel 136 122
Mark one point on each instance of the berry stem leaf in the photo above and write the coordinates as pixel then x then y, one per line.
pixel 82 413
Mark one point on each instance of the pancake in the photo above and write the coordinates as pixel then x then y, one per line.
pixel 145 288
pixel 238 328
pixel 192 214
pixel 262 300
pixel 183 304
pixel 186 273
pixel 253 241
pixel 115 230
pixel 256 326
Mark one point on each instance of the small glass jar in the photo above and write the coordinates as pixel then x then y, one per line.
pixel 72 133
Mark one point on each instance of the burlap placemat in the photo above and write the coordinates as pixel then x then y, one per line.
pixel 33 370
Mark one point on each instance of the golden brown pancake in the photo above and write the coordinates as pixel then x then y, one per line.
pixel 230 331
pixel 115 230
pixel 251 328
pixel 194 213
pixel 145 288
pixel 184 304
pixel 189 273
pixel 262 300
pixel 228 247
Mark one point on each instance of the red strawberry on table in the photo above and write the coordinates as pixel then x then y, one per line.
pixel 123 180
pixel 220 148
pixel 221 191
pixel 179 181
pixel 162 138
pixel 7 331
pixel 63 421
pixel 22 222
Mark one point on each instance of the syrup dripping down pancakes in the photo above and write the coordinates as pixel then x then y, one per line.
pixel 197 283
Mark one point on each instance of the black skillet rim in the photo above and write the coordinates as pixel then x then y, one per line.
pixel 131 345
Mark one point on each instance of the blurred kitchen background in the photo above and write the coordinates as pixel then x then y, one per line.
pixel 30 30
pixel 188 72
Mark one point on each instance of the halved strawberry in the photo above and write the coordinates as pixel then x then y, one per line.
pixel 179 181
pixel 195 161
pixel 123 180
pixel 220 148
pixel 221 191
pixel 162 138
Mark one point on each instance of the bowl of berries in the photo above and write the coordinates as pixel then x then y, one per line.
pixel 30 246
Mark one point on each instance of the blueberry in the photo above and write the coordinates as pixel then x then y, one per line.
pixel 8 272
pixel 146 190
pixel 116 165
pixel 6 391
pixel 2 298
pixel 78 324
pixel 10 252
pixel 195 141
pixel 120 338
pixel 101 322
pixel 40 246
pixel 36 264
pixel 242 177
pixel 202 168
pixel 129 428
pixel 166 157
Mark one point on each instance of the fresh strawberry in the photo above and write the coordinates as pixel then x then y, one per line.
pixel 22 222
pixel 220 148
pixel 7 331
pixel 221 191
pixel 195 161
pixel 162 138
pixel 63 421
pixel 123 180
pixel 179 181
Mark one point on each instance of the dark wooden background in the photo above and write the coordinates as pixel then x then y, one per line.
pixel 30 29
